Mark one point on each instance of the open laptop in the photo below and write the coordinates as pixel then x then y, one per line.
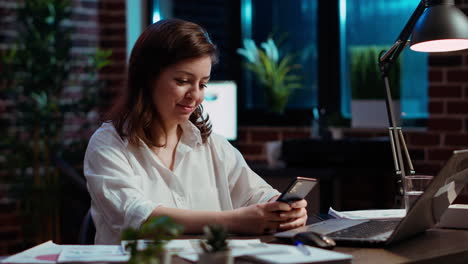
pixel 424 214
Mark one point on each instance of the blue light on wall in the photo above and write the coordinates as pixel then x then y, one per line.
pixel 156 11
pixel 246 27
pixel 246 17
pixel 345 93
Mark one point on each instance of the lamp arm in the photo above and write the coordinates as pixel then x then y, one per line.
pixel 386 60
pixel 391 55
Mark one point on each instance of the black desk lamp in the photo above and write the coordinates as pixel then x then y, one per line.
pixel 435 26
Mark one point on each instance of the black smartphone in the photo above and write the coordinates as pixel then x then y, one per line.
pixel 297 189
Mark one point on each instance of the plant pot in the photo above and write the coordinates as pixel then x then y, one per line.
pixel 222 257
pixel 373 113
pixel 277 102
pixel 165 257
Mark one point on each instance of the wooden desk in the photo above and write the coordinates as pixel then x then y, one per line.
pixel 434 246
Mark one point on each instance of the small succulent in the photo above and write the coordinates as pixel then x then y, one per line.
pixel 215 239
pixel 154 233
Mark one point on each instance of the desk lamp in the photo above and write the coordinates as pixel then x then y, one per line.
pixel 435 26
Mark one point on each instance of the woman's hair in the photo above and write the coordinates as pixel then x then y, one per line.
pixel 161 45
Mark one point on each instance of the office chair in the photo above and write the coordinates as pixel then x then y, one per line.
pixel 87 230
pixel 80 197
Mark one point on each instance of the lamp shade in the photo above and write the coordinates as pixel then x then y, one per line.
pixel 442 27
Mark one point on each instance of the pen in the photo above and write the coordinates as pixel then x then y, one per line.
pixel 303 249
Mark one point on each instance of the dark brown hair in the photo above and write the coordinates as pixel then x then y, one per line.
pixel 161 45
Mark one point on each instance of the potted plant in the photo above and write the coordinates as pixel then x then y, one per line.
pixel 274 71
pixel 36 73
pixel 146 244
pixel 368 107
pixel 215 246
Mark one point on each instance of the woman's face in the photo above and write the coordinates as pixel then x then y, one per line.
pixel 180 89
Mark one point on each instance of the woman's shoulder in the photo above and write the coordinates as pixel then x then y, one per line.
pixel 220 144
pixel 216 139
pixel 106 134
pixel 105 130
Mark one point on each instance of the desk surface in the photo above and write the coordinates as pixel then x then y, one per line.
pixel 433 246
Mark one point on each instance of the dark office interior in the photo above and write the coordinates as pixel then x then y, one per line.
pixel 43 193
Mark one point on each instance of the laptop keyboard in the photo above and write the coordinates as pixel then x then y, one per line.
pixel 365 230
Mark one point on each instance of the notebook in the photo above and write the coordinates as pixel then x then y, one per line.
pixel 425 213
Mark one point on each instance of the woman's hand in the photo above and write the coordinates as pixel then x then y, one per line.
pixel 268 217
pixel 259 218
pixel 296 217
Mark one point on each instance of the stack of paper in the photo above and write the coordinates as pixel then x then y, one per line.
pixel 369 214
pixel 254 249
pixel 455 217
pixel 189 248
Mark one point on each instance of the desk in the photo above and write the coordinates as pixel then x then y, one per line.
pixel 434 246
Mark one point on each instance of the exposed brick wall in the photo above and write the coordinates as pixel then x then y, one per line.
pixel 251 140
pixel 111 32
pixel 98 24
pixel 10 226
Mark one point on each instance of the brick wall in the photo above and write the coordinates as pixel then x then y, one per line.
pixel 98 24
pixel 10 223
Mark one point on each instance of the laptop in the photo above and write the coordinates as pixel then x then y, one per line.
pixel 425 213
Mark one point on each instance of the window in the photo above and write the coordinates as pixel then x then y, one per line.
pixel 379 22
pixel 321 32
pixel 294 25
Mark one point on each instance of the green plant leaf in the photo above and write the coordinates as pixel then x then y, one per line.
pixel 36 73
pixel 214 239
pixel 365 76
pixel 273 72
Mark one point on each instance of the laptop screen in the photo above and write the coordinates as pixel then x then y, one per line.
pixel 437 197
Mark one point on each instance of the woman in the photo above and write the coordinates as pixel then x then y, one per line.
pixel 156 154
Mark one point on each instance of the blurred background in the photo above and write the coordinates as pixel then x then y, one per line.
pixel 63 61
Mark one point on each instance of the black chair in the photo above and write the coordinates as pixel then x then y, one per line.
pixel 87 230
pixel 78 226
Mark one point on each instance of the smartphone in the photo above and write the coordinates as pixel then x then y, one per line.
pixel 297 189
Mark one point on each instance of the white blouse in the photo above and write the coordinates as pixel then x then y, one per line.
pixel 127 183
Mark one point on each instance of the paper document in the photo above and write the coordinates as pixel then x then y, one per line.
pixel 189 248
pixel 92 253
pixel 290 254
pixel 45 253
pixel 51 253
pixel 369 214
pixel 256 250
